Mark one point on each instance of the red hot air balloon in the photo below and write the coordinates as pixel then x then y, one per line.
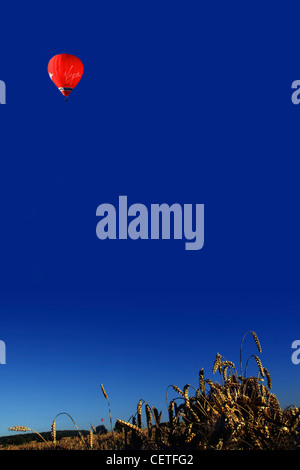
pixel 65 70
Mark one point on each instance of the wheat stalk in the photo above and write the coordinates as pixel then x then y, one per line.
pixel 106 397
pixel 186 392
pixel 178 390
pixel 53 431
pixel 255 337
pixel 139 414
pixel 90 439
pixel 171 412
pixel 273 400
pixel 224 372
pixel 25 429
pixel 93 428
pixel 133 427
pixel 19 428
pixel 201 380
pixel 259 364
pixel 268 375
pixel 157 416
pixel 104 392
pixel 256 341
pixel 149 419
pixel 217 362
pixel 188 405
pixel 65 413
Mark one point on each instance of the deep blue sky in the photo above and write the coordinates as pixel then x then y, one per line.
pixel 179 102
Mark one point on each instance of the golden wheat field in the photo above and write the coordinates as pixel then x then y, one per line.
pixel 236 412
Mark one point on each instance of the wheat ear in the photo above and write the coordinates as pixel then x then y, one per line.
pixel 53 431
pixel 106 397
pixel 65 413
pixel 25 429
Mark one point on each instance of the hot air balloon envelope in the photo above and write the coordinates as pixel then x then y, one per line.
pixel 65 70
